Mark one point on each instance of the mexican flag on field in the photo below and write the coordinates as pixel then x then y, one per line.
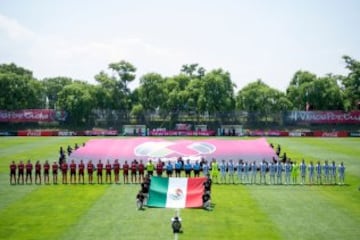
pixel 176 192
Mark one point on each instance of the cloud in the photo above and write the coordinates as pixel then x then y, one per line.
pixel 14 30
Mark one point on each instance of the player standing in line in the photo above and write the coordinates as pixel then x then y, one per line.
pixel 150 167
pixel 21 168
pixel 133 170
pixel 72 172
pixel 90 170
pixel 303 171
pixel 318 169
pixel 64 170
pixel 13 173
pixel 279 170
pixel 333 173
pixel 81 168
pixel 263 167
pixel 311 172
pixel 288 169
pixel 108 172
pixel 341 170
pixel 223 168
pixel 231 171
pixel 272 170
pixel 117 170
pixel 169 169
pixel 294 172
pixel 178 167
pixel 240 171
pixel 46 172
pixel 196 169
pixel 326 171
pixel 246 172
pixel 55 169
pixel 253 169
pixel 126 172
pixel 29 168
pixel 37 172
pixel 214 170
pixel 205 168
pixel 159 168
pixel 141 171
pixel 99 170
pixel 188 168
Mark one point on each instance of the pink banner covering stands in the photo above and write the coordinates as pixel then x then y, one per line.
pixel 150 148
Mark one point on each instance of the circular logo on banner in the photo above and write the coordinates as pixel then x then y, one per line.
pixel 176 194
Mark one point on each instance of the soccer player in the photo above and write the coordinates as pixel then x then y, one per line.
pixel 206 201
pixel 46 172
pixel 72 172
pixel 108 172
pixel 37 172
pixel 240 171
pixel 196 168
pixel 288 169
pixel 294 172
pixel 90 170
pixel 303 171
pixel 318 173
pixel 263 167
pixel 64 170
pixel 178 167
pixel 223 168
pixel 326 171
pixel 21 168
pixel 116 170
pixel 188 168
pixel 333 173
pixel 272 170
pixel 311 172
pixel 214 170
pixel 141 171
pixel 99 170
pixel 150 167
pixel 29 168
pixel 81 172
pixel 159 168
pixel 13 173
pixel 169 169
pixel 55 168
pixel 231 171
pixel 126 172
pixel 279 170
pixel 341 170
pixel 134 167
pixel 253 169
pixel 246 168
pixel 205 168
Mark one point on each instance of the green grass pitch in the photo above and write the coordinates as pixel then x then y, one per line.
pixel 241 211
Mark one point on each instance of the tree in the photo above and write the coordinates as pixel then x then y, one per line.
pixel 52 86
pixel 189 69
pixel 19 89
pixel 152 92
pixel 77 100
pixel 351 83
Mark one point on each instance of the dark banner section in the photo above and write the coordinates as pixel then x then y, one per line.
pixel 32 115
pixel 323 117
pixel 181 133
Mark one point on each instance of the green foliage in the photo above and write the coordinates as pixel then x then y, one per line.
pixel 52 86
pixel 351 83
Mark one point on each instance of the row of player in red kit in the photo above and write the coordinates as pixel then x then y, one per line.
pixel 135 168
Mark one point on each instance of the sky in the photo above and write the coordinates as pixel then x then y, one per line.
pixel 258 39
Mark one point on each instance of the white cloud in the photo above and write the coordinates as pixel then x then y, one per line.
pixel 13 29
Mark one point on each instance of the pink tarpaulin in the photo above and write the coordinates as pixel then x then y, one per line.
pixel 145 148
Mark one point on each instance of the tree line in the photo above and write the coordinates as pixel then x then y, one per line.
pixel 193 91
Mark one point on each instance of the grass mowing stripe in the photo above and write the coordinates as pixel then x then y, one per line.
pixel 47 212
pixel 236 215
pixel 305 212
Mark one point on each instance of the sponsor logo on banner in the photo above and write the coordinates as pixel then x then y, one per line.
pixel 324 117
pixel 32 115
